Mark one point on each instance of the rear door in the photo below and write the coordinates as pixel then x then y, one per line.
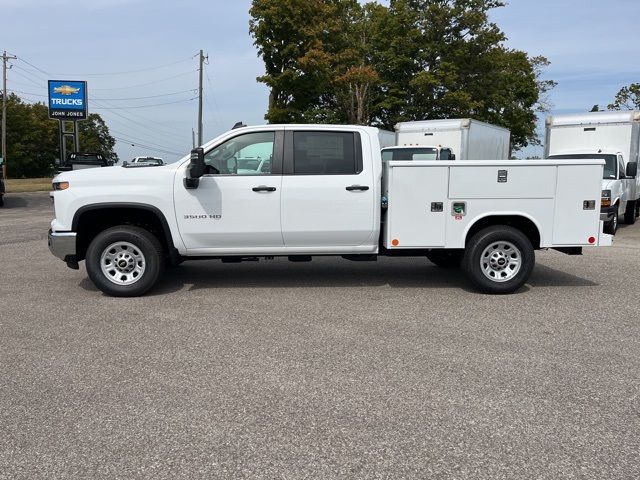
pixel 327 190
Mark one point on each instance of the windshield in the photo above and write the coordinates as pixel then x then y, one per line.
pixel 421 153
pixel 609 167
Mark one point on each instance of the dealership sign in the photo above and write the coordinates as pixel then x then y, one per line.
pixel 67 100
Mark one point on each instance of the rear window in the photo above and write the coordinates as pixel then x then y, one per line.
pixel 410 154
pixel 324 153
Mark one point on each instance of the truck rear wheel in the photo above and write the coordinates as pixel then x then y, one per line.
pixel 446 258
pixel 124 261
pixel 630 213
pixel 499 259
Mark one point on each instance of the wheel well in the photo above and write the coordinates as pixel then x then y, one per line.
pixel 92 221
pixel 523 224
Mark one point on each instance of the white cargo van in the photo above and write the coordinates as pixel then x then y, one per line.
pixel 613 137
pixel 468 139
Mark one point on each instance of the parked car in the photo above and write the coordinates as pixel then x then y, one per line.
pixel 151 160
pixel 83 160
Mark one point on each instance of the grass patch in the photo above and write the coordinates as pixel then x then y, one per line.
pixel 22 185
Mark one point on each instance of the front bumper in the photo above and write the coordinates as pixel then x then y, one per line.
pixel 63 245
pixel 607 213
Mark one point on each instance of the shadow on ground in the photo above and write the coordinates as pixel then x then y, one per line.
pixel 328 274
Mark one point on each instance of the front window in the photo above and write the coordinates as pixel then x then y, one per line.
pixel 421 153
pixel 249 154
pixel 610 166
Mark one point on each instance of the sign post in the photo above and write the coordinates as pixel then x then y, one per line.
pixel 68 105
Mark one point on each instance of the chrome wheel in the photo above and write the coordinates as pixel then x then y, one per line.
pixel 122 263
pixel 501 261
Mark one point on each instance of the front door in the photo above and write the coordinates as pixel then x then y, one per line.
pixel 327 192
pixel 236 208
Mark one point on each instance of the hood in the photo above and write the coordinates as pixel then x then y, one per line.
pixel 608 184
pixel 117 175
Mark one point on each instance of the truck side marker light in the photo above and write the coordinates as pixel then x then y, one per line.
pixel 592 240
pixel 395 242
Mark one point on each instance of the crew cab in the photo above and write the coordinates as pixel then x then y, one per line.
pixel 317 190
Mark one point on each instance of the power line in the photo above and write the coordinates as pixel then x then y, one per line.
pixel 145 84
pixel 147 122
pixel 155 149
pixel 30 79
pixel 192 90
pixel 106 74
pixel 147 106
pixel 140 139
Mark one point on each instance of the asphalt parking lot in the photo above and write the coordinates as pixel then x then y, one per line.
pixel 331 369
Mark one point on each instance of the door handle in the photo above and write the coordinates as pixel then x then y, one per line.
pixel 264 188
pixel 354 188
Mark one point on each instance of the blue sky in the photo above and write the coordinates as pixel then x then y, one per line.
pixel 593 47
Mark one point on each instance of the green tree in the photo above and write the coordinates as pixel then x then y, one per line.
pixel 628 98
pixel 33 143
pixel 95 137
pixel 338 61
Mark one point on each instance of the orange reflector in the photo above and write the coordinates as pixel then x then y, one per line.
pixel 395 242
pixel 60 185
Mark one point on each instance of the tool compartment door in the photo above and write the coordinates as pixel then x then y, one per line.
pixel 414 217
pixel 572 223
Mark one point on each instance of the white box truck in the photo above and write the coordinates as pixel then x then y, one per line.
pixel 613 137
pixel 467 139
pixel 321 195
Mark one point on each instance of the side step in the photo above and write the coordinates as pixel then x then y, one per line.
pixel 361 258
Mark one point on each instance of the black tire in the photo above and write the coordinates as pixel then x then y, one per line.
pixel 446 258
pixel 1 200
pixel 143 242
pixel 611 227
pixel 630 213
pixel 484 242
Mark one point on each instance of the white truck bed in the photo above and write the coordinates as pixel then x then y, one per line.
pixel 551 193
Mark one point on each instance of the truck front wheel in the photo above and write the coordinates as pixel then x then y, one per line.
pixel 630 213
pixel 499 259
pixel 124 261
pixel 611 227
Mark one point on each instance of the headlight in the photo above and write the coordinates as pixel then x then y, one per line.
pixel 60 185
pixel 606 198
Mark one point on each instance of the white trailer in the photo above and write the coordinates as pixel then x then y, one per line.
pixel 469 139
pixel 612 136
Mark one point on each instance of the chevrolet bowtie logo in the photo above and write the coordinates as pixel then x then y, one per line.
pixel 66 90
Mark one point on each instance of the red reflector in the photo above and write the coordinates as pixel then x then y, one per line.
pixel 592 240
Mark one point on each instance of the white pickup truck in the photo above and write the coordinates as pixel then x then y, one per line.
pixel 319 190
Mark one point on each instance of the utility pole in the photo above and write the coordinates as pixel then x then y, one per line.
pixel 193 138
pixel 202 60
pixel 5 58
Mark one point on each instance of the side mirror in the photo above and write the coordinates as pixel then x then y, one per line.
pixel 632 169
pixel 196 168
